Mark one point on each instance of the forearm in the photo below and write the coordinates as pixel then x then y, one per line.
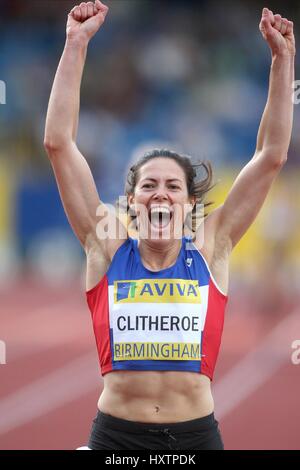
pixel 276 125
pixel 63 108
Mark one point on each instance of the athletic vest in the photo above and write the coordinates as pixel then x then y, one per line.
pixel 165 320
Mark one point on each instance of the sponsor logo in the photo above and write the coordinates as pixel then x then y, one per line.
pixel 157 291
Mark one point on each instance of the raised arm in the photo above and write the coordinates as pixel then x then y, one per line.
pixel 234 217
pixel 63 109
pixel 74 179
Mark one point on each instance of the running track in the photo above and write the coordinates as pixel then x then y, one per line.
pixel 50 384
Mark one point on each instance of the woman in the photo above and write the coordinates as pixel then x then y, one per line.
pixel 158 302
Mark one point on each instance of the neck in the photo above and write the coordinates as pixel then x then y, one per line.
pixel 160 254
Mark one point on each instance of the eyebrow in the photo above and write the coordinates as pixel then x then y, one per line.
pixel 169 179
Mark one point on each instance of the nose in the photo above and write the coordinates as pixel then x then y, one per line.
pixel 161 194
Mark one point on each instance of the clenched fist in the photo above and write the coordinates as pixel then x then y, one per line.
pixel 85 19
pixel 278 32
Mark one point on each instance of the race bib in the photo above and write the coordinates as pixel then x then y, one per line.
pixel 160 319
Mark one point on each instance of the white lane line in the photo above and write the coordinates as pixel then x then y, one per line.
pixel 257 367
pixel 56 389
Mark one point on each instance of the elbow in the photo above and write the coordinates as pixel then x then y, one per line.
pixel 280 161
pixel 272 159
pixel 50 147
pixel 54 146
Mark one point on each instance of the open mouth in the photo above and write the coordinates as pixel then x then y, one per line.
pixel 160 217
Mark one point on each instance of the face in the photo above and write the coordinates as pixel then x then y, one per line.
pixel 161 199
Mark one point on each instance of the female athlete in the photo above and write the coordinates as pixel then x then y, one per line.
pixel 157 300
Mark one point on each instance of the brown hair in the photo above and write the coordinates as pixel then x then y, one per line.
pixel 196 187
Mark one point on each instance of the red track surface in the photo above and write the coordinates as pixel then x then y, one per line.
pixel 51 382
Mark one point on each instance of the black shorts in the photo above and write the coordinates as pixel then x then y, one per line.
pixel 110 433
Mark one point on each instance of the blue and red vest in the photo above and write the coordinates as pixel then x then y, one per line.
pixel 166 320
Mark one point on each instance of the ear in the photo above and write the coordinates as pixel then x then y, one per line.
pixel 130 199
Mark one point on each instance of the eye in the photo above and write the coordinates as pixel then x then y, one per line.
pixel 148 185
pixel 174 186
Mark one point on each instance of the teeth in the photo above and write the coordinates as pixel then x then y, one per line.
pixel 164 210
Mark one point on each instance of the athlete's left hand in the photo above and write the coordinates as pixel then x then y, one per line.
pixel 278 32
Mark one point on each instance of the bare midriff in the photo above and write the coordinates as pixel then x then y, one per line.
pixel 156 396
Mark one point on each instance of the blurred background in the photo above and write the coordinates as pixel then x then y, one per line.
pixel 191 76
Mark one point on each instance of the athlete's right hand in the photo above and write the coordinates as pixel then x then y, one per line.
pixel 85 20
